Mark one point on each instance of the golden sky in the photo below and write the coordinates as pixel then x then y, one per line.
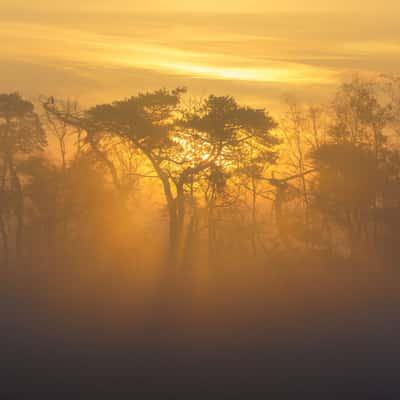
pixel 224 6
pixel 257 54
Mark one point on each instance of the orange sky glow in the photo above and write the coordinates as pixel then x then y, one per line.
pixel 254 50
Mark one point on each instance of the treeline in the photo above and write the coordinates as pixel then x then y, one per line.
pixel 185 180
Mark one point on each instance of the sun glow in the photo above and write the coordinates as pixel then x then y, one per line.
pixel 277 73
pixel 191 151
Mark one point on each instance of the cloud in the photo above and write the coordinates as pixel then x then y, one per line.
pixel 255 55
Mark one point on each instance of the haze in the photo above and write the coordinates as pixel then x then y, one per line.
pixel 199 197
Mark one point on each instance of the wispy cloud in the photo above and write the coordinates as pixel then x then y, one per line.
pixel 252 50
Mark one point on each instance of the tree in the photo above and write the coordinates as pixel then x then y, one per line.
pixel 238 136
pixel 178 144
pixel 347 185
pixel 62 132
pixel 360 119
pixel 21 133
pixel 303 128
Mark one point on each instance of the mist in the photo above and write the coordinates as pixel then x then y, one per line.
pixel 199 199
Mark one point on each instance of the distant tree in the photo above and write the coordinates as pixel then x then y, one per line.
pixel 347 186
pixel 62 131
pixel 251 171
pixel 303 128
pixel 360 118
pixel 21 134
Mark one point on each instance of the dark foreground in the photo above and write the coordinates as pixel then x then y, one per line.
pixel 317 340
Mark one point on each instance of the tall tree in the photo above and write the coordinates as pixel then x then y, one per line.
pixel 178 144
pixel 21 133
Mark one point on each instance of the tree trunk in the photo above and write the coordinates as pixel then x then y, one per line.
pixel 4 237
pixel 3 229
pixel 177 227
pixel 19 210
pixel 254 217
pixel 190 237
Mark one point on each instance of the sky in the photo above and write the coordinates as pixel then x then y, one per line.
pixel 222 6
pixel 258 51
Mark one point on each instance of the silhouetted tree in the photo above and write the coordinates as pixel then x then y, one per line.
pixel 178 144
pixel 234 133
pixel 347 186
pixel 21 133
